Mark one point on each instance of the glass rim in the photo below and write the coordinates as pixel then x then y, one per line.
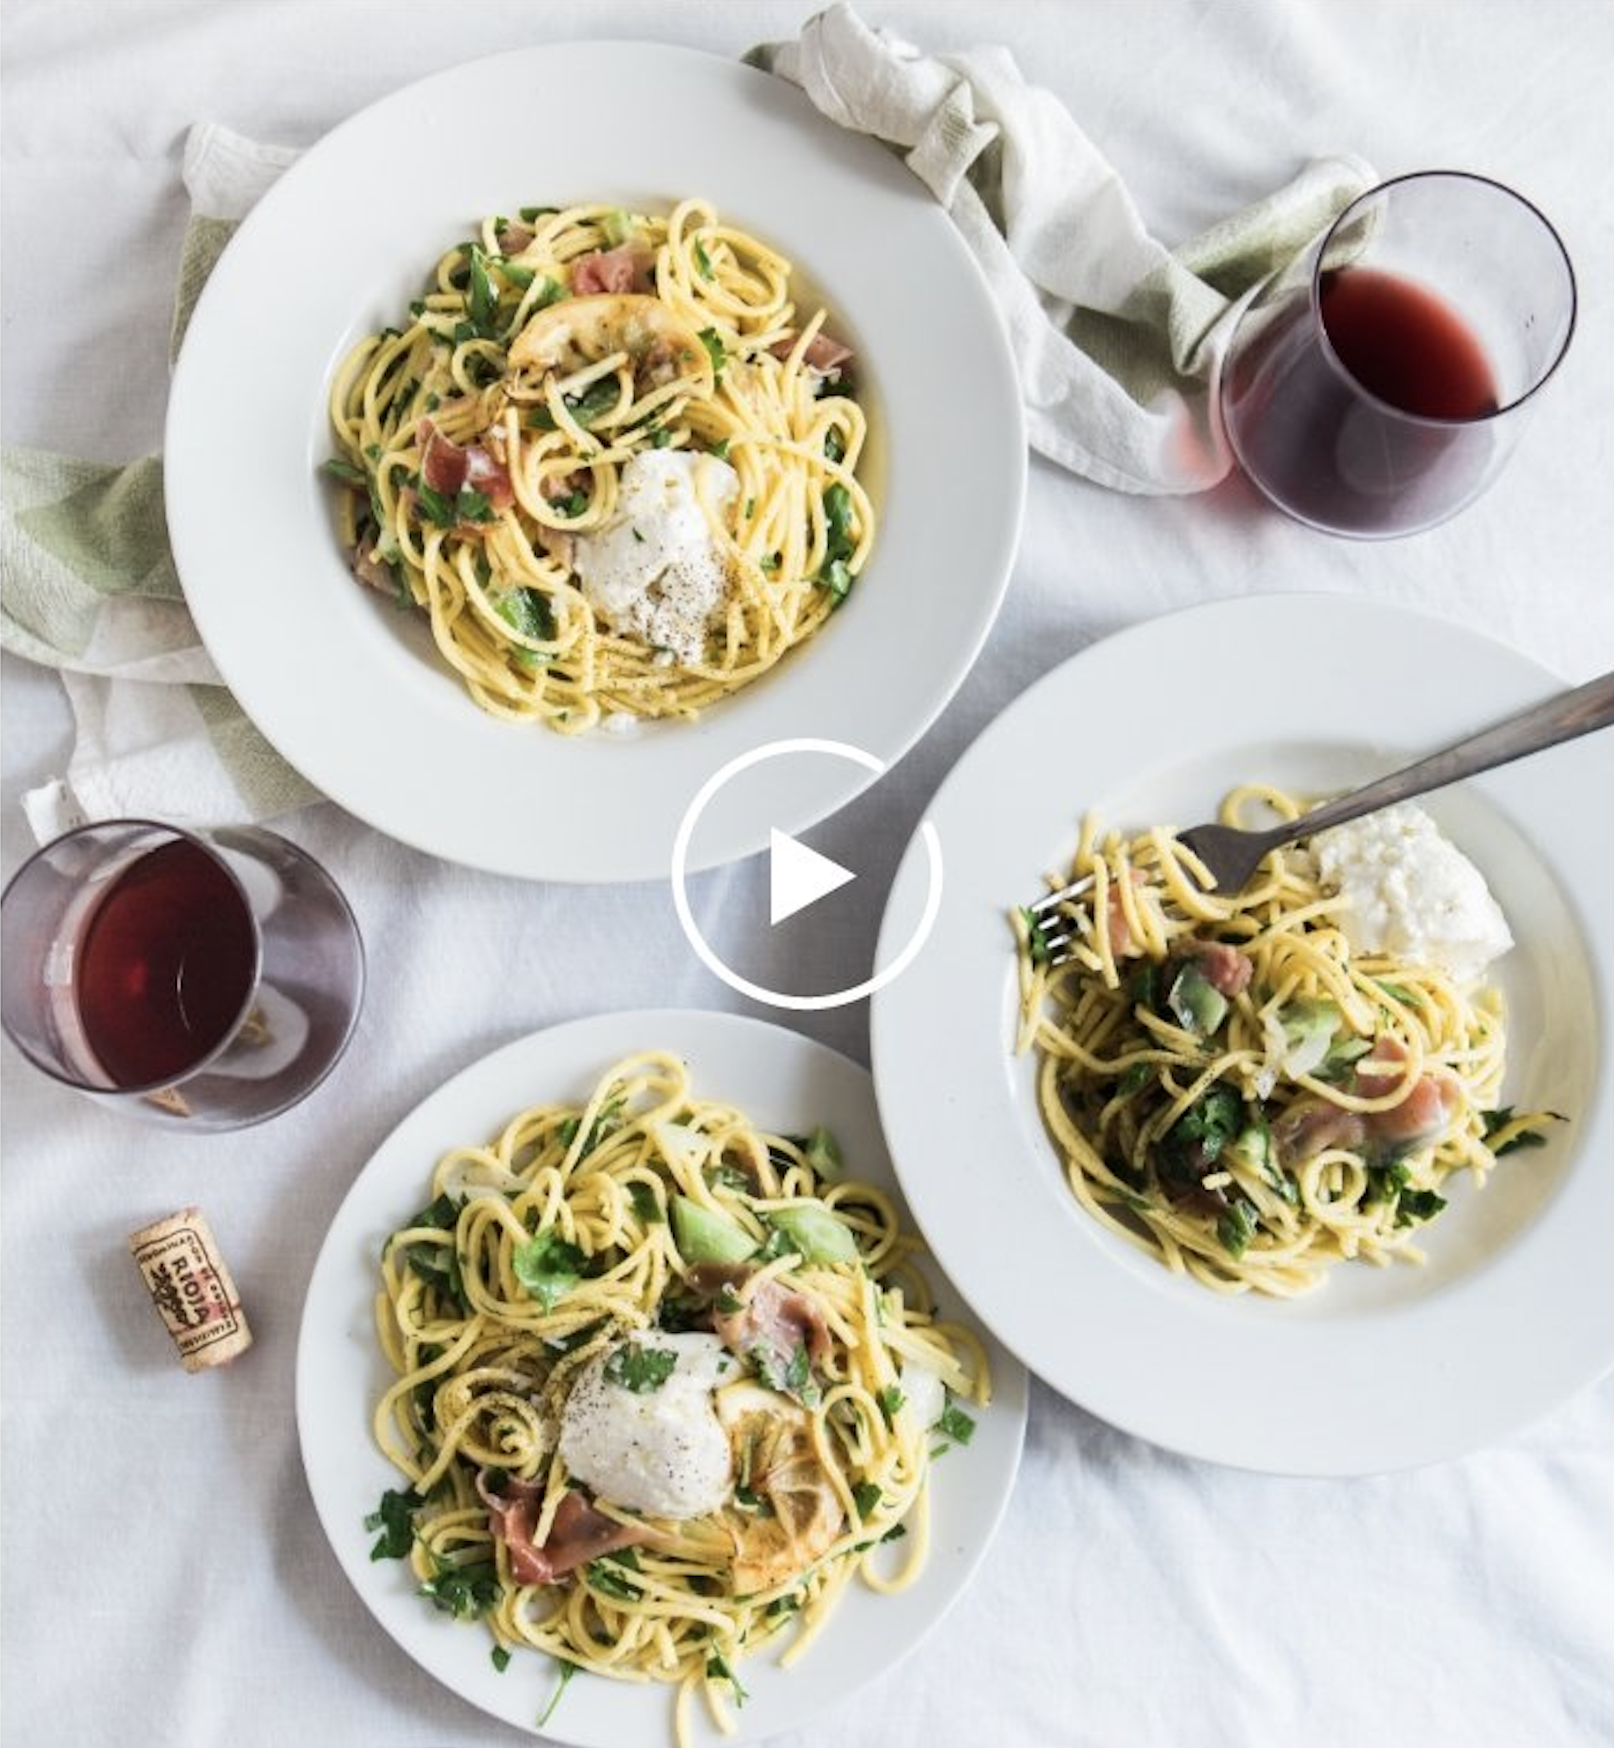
pixel 1377 191
pixel 145 1089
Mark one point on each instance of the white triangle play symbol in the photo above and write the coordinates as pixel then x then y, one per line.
pixel 798 876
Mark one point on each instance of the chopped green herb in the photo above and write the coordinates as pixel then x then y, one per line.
pixel 567 1670
pixel 890 1399
pixel 1417 1205
pixel 640 1369
pixel 499 1657
pixel 866 1495
pixel 395 1518
pixel 347 473
pixel 463 1591
pixel 1236 1227
pixel 645 1205
pixel 608 1582
pixel 548 1267
pixel 1497 1120
pixel 717 1669
pixel 715 350
pixel 956 1424
pixel 703 261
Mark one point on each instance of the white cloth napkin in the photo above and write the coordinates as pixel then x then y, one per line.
pixel 1117 338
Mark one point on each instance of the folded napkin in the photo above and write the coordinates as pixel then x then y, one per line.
pixel 1117 340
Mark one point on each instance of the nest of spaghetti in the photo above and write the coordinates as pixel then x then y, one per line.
pixel 664 1385
pixel 1236 1088
pixel 611 459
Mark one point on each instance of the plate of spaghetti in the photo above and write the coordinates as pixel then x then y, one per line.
pixel 1252 1143
pixel 582 466
pixel 629 1400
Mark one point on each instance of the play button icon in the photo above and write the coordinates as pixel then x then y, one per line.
pixel 798 876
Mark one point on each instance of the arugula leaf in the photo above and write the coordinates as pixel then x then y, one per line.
pixel 640 1369
pixel 548 1267
pixel 395 1518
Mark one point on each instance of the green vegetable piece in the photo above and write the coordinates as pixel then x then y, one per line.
pixel 1196 1003
pixel 1309 1026
pixel 617 226
pixel 823 1154
pixel 815 1234
pixel 704 1235
pixel 548 1267
pixel 1236 1228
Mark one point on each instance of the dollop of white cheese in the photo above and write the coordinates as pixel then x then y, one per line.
pixel 654 569
pixel 660 1450
pixel 1409 891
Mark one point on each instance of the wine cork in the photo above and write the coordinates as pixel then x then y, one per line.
pixel 185 1273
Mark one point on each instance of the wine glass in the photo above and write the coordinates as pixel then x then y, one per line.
pixel 200 978
pixel 1378 385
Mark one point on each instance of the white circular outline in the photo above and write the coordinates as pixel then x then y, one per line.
pixel 686 919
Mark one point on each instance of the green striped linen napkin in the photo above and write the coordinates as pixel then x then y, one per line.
pixel 88 586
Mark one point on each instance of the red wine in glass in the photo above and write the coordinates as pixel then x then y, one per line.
pixel 1369 415
pixel 209 977
pixel 1405 345
pixel 166 965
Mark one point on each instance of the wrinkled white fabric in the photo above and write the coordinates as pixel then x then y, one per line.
pixel 1117 338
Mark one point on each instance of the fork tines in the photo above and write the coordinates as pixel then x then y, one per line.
pixel 1057 933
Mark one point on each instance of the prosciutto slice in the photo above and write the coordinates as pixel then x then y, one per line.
pixel 772 1326
pixel 449 467
pixel 577 1535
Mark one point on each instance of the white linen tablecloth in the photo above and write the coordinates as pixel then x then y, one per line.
pixel 164 1578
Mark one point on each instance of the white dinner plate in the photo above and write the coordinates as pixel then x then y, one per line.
pixel 349 689
pixel 785 1082
pixel 1380 1368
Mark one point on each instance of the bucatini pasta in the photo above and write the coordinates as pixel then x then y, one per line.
pixel 1235 1087
pixel 663 1383
pixel 611 460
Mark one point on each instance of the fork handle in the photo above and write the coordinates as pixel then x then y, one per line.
pixel 1564 716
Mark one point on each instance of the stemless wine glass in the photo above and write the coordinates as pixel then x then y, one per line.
pixel 204 979
pixel 1377 385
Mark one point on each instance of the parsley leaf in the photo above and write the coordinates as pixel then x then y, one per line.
pixel 395 1518
pixel 640 1369
pixel 567 1671
pixel 462 1591
pixel 548 1267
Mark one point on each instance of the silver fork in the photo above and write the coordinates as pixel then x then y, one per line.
pixel 1231 855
